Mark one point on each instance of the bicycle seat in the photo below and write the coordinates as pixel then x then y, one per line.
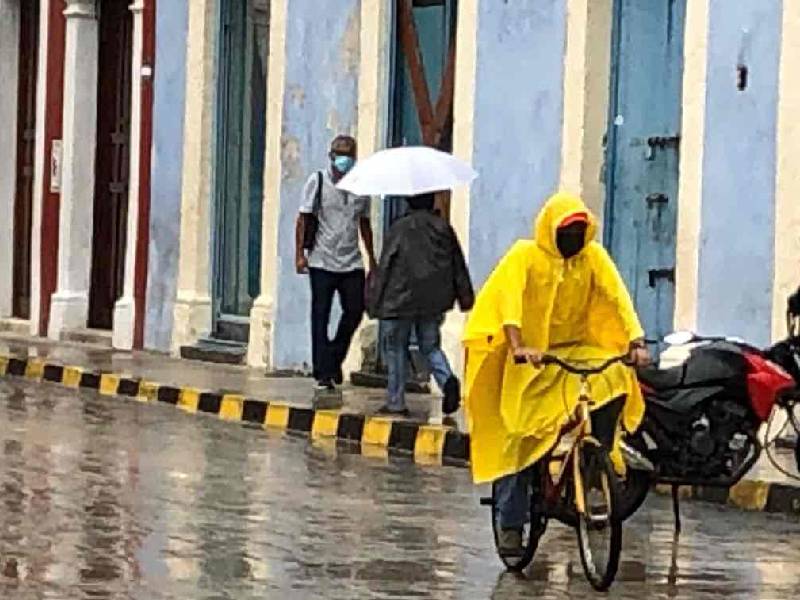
pixel 662 379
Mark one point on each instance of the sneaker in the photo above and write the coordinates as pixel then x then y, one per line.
pixel 325 385
pixel 509 543
pixel 386 411
pixel 452 396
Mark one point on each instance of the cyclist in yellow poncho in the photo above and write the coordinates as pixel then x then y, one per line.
pixel 559 293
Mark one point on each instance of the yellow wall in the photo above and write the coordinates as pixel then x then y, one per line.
pixel 787 197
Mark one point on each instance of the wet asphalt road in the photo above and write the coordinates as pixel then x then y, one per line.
pixel 106 498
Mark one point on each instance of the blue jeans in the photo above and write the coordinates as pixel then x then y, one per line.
pixel 397 337
pixel 513 498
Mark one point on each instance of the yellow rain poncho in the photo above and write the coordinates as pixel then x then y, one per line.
pixel 577 309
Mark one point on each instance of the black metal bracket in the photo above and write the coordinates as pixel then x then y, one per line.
pixel 654 275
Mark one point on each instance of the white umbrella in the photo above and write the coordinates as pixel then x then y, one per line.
pixel 406 171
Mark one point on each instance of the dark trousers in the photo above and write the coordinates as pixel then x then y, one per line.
pixel 329 354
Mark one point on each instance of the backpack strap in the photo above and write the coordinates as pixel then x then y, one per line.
pixel 318 198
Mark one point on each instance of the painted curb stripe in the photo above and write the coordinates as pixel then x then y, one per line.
pixel 403 437
pixel 326 424
pixel 128 387
pixel 209 403
pixel 370 436
pixel 300 419
pixel 254 411
pixel 34 369
pixel 109 384
pixel 231 407
pixel 169 395
pixel 351 427
pixel 277 416
pixel 53 374
pixel 188 399
pixel 16 367
pixel 72 377
pixel 90 381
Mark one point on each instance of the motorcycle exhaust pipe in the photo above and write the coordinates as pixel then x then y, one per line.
pixel 634 459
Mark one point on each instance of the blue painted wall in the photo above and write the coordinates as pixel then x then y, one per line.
pixel 321 101
pixel 518 120
pixel 736 245
pixel 167 163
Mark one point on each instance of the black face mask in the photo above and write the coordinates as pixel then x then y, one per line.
pixel 571 239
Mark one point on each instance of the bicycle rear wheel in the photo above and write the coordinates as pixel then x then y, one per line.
pixel 600 527
pixel 531 534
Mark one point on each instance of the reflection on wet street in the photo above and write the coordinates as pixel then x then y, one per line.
pixel 105 498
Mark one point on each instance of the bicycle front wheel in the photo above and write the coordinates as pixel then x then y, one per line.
pixel 599 528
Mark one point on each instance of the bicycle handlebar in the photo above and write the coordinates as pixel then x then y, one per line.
pixel 549 359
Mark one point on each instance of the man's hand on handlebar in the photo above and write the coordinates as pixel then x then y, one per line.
pixel 639 355
pixel 531 356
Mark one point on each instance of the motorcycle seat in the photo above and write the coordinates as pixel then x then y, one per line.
pixel 663 379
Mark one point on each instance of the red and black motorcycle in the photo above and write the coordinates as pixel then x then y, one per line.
pixel 703 416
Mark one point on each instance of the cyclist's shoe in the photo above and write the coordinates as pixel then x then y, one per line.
pixel 452 396
pixel 509 543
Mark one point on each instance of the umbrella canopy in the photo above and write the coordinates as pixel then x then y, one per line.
pixel 406 171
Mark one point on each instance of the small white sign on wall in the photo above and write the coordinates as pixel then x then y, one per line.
pixel 55 167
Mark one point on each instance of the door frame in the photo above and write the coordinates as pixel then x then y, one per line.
pixel 612 141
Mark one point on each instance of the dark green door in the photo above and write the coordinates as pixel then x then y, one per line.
pixel 240 147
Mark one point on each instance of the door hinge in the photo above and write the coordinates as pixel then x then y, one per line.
pixel 658 198
pixel 654 275
pixel 662 142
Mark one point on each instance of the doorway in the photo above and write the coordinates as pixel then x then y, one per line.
pixel 112 162
pixel 642 153
pixel 26 141
pixel 240 154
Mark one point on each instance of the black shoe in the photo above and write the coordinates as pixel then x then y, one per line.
pixel 386 411
pixel 452 396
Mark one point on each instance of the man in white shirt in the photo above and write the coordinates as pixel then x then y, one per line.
pixel 334 263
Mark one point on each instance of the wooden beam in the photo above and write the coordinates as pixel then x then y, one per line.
pixel 444 105
pixel 409 42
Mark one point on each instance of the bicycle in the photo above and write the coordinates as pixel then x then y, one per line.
pixel 578 487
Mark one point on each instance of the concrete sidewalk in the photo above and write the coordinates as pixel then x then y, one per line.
pixel 242 394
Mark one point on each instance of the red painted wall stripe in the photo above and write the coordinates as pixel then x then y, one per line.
pixel 53 122
pixel 145 149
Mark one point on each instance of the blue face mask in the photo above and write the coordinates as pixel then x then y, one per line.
pixel 343 163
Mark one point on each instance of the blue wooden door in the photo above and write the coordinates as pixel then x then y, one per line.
pixel 240 147
pixel 642 154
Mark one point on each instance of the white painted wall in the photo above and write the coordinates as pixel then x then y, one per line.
pixel 9 66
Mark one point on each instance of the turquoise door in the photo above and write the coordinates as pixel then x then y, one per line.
pixel 434 24
pixel 642 153
pixel 240 146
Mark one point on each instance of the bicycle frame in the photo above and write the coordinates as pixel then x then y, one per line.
pixel 583 423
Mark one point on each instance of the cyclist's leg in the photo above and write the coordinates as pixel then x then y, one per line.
pixel 605 421
pixel 513 502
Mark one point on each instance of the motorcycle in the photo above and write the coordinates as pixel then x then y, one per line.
pixel 703 415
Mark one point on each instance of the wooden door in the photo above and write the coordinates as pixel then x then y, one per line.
pixel 643 153
pixel 241 145
pixel 112 161
pixel 26 141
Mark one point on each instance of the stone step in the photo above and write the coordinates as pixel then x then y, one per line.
pixel 15 326
pixel 216 351
pixel 98 337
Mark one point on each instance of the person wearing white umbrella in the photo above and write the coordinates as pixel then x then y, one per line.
pixel 422 275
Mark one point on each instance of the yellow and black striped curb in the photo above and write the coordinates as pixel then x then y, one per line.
pixel 427 444
pixel 748 494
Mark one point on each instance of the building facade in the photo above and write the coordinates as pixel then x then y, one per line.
pixel 77 175
pixel 674 119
